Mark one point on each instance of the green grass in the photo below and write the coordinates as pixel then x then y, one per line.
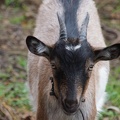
pixel 15 94
pixel 113 87
pixel 4 76
pixel 117 8
pixel 113 90
pixel 17 20
pixel 1 17
pixel 15 3
pixel 22 62
pixel 12 87
pixel 108 114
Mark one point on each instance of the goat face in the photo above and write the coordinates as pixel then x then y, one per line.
pixel 72 61
pixel 71 69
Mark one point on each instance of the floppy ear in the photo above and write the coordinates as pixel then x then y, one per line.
pixel 37 47
pixel 108 53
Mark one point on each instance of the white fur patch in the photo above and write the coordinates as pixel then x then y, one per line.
pixel 46 1
pixel 103 78
pixel 70 47
pixel 101 102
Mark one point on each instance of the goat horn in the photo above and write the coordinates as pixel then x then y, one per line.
pixel 63 33
pixel 83 32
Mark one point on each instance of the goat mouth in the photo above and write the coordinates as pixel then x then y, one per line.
pixel 70 111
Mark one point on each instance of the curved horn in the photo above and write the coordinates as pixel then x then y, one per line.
pixel 63 33
pixel 83 32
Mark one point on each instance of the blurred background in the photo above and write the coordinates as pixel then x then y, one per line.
pixel 17 20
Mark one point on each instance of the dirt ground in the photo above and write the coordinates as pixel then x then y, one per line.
pixel 17 21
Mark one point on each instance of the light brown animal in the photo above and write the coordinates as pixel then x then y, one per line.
pixel 68 43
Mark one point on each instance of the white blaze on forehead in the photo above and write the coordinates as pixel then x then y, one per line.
pixel 71 47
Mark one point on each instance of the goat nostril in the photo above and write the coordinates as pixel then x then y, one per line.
pixel 82 99
pixel 70 103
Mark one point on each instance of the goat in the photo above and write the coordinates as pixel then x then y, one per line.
pixel 67 63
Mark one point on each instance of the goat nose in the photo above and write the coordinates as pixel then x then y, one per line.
pixel 70 103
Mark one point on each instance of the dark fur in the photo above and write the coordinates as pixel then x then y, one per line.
pixel 70 8
pixel 72 70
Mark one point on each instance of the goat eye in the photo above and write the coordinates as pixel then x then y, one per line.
pixel 53 66
pixel 90 68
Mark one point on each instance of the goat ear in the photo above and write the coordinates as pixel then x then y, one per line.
pixel 37 47
pixel 108 53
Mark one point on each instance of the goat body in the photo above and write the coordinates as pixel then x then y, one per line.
pixel 39 68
